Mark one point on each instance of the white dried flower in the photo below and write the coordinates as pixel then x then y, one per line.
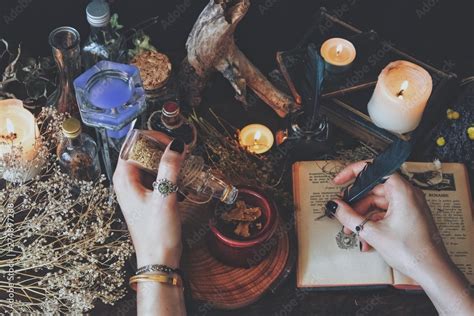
pixel 61 236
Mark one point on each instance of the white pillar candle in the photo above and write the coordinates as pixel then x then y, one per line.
pixel 400 96
pixel 18 128
pixel 338 53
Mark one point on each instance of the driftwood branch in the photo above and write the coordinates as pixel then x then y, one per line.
pixel 211 47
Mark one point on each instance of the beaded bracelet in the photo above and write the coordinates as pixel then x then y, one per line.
pixel 158 268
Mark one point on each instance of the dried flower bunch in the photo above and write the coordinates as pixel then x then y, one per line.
pixel 62 246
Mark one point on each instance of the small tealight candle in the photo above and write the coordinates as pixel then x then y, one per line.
pixel 400 96
pixel 18 128
pixel 338 54
pixel 256 138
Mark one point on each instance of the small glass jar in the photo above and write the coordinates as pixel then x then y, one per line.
pixel 196 180
pixel 77 152
pixel 170 121
pixel 157 77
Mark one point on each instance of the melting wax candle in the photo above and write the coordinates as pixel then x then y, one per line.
pixel 18 128
pixel 338 54
pixel 400 96
pixel 256 138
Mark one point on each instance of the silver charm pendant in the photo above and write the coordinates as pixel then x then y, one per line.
pixel 345 241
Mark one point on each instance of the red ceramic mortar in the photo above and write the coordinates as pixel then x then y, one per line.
pixel 248 252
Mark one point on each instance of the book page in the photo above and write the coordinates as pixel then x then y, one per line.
pixel 450 204
pixel 321 262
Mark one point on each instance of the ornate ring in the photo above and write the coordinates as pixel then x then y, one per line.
pixel 165 187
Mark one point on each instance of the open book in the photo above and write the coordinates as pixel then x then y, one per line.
pixel 327 261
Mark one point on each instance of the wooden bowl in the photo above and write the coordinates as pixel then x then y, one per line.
pixel 246 252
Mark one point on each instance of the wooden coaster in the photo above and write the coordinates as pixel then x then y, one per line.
pixel 213 282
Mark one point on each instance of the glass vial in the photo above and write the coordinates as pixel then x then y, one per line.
pixel 171 122
pixel 103 42
pixel 195 177
pixel 78 153
pixel 64 42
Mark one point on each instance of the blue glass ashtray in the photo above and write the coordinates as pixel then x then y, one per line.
pixel 110 95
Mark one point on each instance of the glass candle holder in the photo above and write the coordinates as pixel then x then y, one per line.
pixel 110 97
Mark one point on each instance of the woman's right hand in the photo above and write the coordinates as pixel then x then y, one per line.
pixel 405 235
pixel 407 238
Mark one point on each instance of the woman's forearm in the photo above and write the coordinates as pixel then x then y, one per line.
pixel 447 287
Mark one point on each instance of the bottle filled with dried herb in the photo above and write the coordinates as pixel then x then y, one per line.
pixel 196 180
pixel 78 153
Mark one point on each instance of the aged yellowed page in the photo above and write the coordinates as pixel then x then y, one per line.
pixel 321 262
pixel 449 199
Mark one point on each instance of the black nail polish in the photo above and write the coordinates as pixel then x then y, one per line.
pixel 360 246
pixel 331 208
pixel 177 145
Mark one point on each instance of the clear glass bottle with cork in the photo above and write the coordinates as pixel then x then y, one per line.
pixel 103 43
pixel 171 122
pixel 196 180
pixel 77 152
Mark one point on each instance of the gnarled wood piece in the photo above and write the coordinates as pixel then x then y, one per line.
pixel 210 47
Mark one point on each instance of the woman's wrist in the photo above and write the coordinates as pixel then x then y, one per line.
pixel 168 257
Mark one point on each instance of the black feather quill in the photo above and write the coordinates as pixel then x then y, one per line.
pixel 376 172
pixel 317 69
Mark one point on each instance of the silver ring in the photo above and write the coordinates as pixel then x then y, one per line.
pixel 360 227
pixel 165 187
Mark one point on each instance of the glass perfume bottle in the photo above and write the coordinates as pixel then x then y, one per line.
pixel 171 122
pixel 103 42
pixel 77 152
pixel 196 180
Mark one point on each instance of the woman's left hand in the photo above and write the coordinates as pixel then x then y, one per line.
pixel 152 219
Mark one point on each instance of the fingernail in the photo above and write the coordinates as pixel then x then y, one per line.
pixel 177 145
pixel 331 208
pixel 360 246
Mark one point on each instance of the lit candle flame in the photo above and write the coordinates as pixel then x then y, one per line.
pixel 257 136
pixel 338 49
pixel 403 87
pixel 10 127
